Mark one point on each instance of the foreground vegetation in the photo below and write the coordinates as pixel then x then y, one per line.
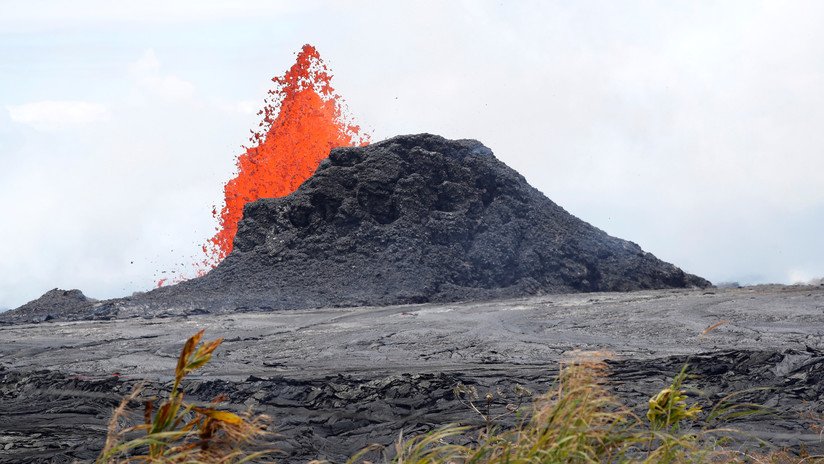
pixel 577 421
pixel 179 432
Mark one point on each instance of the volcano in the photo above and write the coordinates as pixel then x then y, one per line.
pixel 302 119
pixel 411 219
pixel 415 219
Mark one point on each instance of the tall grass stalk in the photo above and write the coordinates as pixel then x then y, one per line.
pixel 177 431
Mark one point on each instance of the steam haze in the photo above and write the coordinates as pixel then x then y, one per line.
pixel 690 128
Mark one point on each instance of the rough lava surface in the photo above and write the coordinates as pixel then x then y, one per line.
pixel 336 380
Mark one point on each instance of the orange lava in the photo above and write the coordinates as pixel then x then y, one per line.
pixel 303 118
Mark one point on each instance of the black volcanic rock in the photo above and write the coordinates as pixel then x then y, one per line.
pixel 54 304
pixel 415 219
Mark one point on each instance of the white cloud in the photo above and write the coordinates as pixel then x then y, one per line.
pixel 148 64
pixel 245 107
pixel 798 276
pixel 27 15
pixel 171 87
pixel 148 74
pixel 52 115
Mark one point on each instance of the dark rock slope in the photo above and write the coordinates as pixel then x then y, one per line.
pixel 412 219
pixel 55 303
pixel 421 218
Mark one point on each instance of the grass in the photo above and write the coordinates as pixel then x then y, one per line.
pixel 580 421
pixel 577 421
pixel 177 431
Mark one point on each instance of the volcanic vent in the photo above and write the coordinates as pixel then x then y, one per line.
pixel 414 219
pixel 303 118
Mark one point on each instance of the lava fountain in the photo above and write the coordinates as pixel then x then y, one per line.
pixel 302 119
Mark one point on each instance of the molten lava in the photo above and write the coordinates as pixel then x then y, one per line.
pixel 303 119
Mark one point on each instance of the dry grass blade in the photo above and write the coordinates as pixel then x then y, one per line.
pixel 185 354
pixel 714 326
pixel 431 447
pixel 113 433
pixel 222 416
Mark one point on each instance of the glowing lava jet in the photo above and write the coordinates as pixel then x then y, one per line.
pixel 303 119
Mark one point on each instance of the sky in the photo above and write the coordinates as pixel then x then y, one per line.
pixel 691 128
